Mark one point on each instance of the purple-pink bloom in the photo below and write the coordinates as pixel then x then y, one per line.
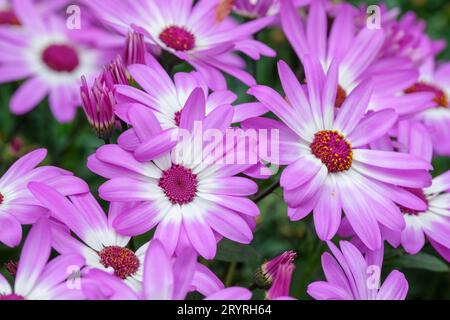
pixel 329 167
pixel 192 33
pixel 38 279
pixel 166 98
pixel 102 247
pixel 432 221
pixel 17 204
pixel 357 54
pixel 192 197
pixel 50 57
pixel 100 244
pixel 350 275
pixel 435 80
pixel 164 278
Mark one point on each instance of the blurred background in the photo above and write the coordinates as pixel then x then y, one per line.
pixel 69 146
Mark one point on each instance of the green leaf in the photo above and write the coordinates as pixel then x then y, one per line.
pixel 230 251
pixel 422 261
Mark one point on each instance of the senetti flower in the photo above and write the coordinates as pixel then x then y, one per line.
pixel 17 204
pixel 432 221
pixel 358 56
pixel 166 98
pixel 191 33
pixel 435 80
pixel 329 168
pixel 164 278
pixel 350 275
pixel 38 279
pixel 100 244
pixel 50 57
pixel 102 247
pixel 188 195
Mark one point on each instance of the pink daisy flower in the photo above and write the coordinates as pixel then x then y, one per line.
pixel 50 57
pixel 432 221
pixel 100 244
pixel 164 278
pixel 329 168
pixel 38 279
pixel 191 33
pixel 357 54
pixel 17 204
pixel 435 80
pixel 350 275
pixel 166 98
pixel 192 201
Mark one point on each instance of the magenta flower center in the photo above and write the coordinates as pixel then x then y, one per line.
pixel 122 260
pixel 179 184
pixel 1 198
pixel 341 95
pixel 61 57
pixel 440 98
pixel 11 296
pixel 8 17
pixel 333 150
pixel 177 38
pixel 411 212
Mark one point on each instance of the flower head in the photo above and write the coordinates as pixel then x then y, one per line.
pixel 17 204
pixel 434 80
pixel 430 220
pixel 50 57
pixel 100 244
pixel 192 33
pixel 191 198
pixel 329 166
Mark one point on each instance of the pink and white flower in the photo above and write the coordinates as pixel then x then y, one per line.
pixel 330 169
pixel 191 33
pixel 17 204
pixel 192 200
pixel 51 58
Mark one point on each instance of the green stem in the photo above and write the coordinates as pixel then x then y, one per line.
pixel 259 197
pixel 230 274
